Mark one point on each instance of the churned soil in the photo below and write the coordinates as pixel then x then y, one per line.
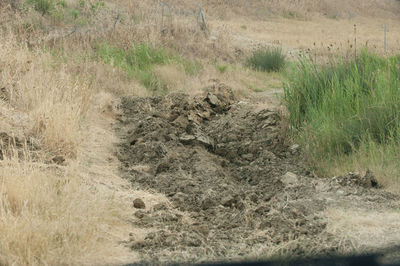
pixel 235 188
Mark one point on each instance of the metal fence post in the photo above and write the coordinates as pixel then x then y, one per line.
pixel 162 14
pixel 201 20
pixel 384 40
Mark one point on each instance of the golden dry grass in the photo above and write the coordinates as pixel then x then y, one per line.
pixel 363 230
pixel 308 9
pixel 55 214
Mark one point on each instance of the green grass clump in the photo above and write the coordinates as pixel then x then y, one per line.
pixel 137 58
pixel 267 59
pixel 337 109
pixel 42 6
pixel 222 68
pixel 139 61
pixel 77 12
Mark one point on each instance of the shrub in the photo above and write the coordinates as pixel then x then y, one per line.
pixel 267 59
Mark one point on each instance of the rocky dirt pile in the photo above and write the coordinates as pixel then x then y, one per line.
pixel 235 189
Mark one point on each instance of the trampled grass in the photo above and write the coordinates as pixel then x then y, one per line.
pixel 345 108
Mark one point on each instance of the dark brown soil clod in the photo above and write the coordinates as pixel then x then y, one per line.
pixel 139 204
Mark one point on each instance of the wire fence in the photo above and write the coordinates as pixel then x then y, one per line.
pixel 161 16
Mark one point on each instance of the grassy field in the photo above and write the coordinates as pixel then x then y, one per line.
pixel 65 63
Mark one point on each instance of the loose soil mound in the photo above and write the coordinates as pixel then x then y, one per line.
pixel 235 189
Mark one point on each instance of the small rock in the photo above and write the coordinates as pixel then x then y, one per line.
pixel 187 139
pixel 340 192
pixel 213 100
pixel 289 179
pixel 369 180
pixel 231 201
pixel 132 237
pixel 207 204
pixel 205 141
pixel 58 159
pixel 294 148
pixel 139 204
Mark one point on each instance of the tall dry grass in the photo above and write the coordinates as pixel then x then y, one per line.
pixel 53 214
pixel 259 9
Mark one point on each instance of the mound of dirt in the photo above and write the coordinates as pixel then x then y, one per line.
pixel 235 188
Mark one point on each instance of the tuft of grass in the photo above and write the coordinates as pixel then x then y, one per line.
pixel 94 7
pixel 62 4
pixel 139 57
pixel 347 108
pixel 222 68
pixel 137 61
pixel 267 59
pixel 74 13
pixel 42 6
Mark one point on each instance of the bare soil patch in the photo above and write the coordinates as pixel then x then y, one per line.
pixel 235 189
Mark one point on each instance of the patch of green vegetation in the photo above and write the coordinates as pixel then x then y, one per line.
pixel 191 67
pixel 42 6
pixel 74 13
pixel 222 68
pixel 347 107
pixel 267 59
pixel 95 7
pixel 62 4
pixel 82 3
pixel 139 61
pixel 78 13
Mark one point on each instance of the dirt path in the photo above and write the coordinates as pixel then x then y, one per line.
pixel 232 188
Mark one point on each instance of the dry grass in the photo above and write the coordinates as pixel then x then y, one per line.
pixel 308 9
pixel 261 10
pixel 54 102
pixel 383 161
pixel 56 214
pixel 171 76
pixel 362 230
pixel 77 212
pixel 320 37
pixel 50 216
